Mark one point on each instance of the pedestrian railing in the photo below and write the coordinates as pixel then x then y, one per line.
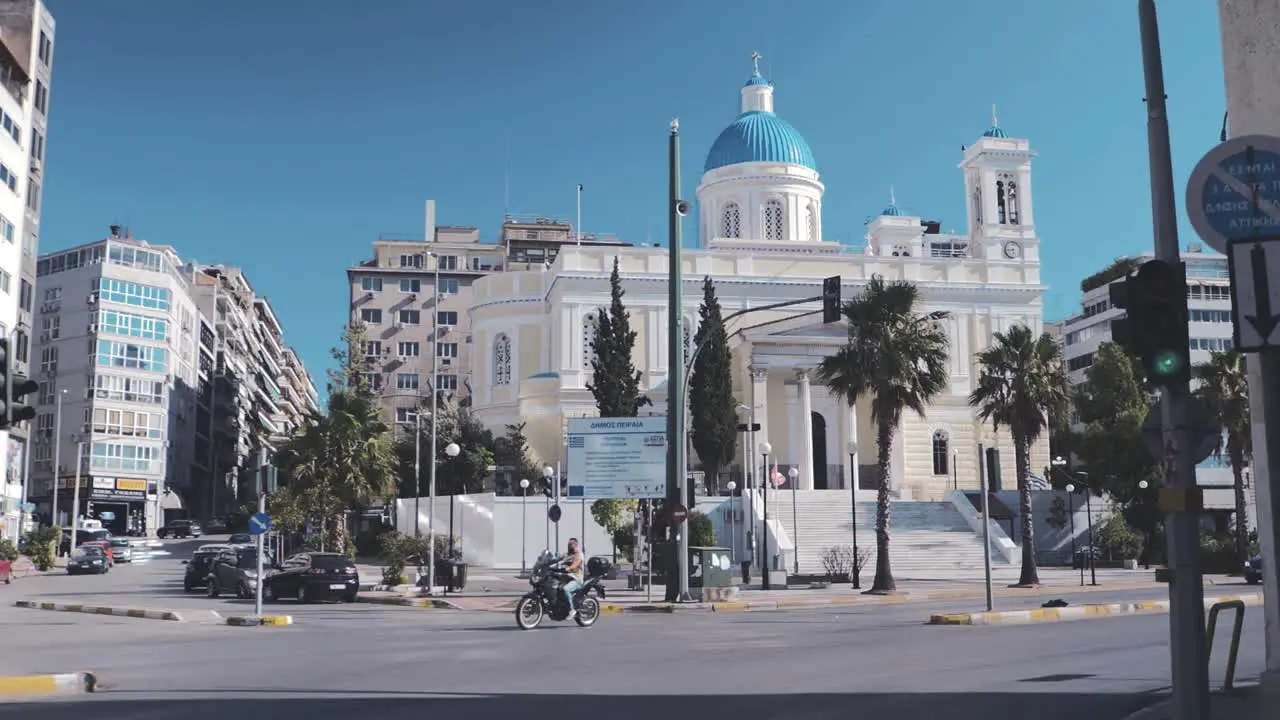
pixel 1237 627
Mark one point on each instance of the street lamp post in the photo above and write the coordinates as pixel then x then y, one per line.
pixel 417 473
pixel 452 451
pixel 75 494
pixel 733 537
pixel 435 410
pixel 1142 488
pixel 852 447
pixel 1088 514
pixel 765 450
pixel 524 524
pixel 1071 515
pixel 793 476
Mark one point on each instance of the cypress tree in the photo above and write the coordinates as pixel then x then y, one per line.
pixel 713 423
pixel 615 382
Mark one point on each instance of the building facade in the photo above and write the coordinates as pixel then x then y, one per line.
pixel 26 72
pixel 132 344
pixel 412 300
pixel 759 213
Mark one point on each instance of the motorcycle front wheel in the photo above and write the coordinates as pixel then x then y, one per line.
pixel 528 613
pixel 588 612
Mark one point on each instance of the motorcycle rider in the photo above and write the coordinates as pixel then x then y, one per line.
pixel 573 566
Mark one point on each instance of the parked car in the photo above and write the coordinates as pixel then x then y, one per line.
pixel 240 539
pixel 235 570
pixel 90 560
pixel 1253 570
pixel 180 529
pixel 313 576
pixel 121 550
pixel 198 566
pixel 105 547
pixel 83 535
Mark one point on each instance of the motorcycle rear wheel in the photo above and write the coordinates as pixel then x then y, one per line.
pixel 528 613
pixel 588 612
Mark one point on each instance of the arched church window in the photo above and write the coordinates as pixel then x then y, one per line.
pixel 502 360
pixel 977 204
pixel 588 341
pixel 810 226
pixel 731 221
pixel 773 220
pixel 1010 199
pixel 1003 216
pixel 941 453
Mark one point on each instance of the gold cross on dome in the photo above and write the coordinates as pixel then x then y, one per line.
pixel 755 63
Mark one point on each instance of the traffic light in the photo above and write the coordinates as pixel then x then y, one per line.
pixel 14 388
pixel 831 299
pixel 993 470
pixel 1155 327
pixel 690 494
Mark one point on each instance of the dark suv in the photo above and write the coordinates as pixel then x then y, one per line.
pixel 313 576
pixel 199 565
pixel 179 529
pixel 235 570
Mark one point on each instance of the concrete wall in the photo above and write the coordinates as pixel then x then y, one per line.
pixel 1053 545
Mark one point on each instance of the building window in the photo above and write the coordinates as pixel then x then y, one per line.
pixel 45 51
pixel 408 349
pixel 411 261
pixel 49 360
pixel 406 416
pixel 50 327
pixel 409 317
pixel 941 453
pixel 410 285
pixel 33 195
pixel 26 295
pixel 731 221
pixel 448 286
pixel 131 423
pixel 127 389
pixel 446 383
pixel 372 348
pixel 1007 199
pixel 373 380
pixel 37 145
pixel 11 128
pixel 447 262
pixel 502 360
pixel 447 350
pixel 110 353
pixel 23 343
pixel 447 318
pixel 406 381
pixel 371 316
pixel 127 293
pixel 122 456
pixel 6 229
pixel 112 322
pixel 42 97
pixel 6 282
pixel 46 393
pixel 773 220
pixel 371 284
pixel 810 227
pixel 588 342
pixel 8 177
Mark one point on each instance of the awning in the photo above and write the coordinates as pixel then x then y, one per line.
pixel 171 501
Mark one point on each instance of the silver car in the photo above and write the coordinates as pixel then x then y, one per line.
pixel 121 550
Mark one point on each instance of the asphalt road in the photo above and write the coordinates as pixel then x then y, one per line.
pixel 340 660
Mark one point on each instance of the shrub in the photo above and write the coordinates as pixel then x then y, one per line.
pixel 702 533
pixel 8 551
pixel 39 546
pixel 1116 540
pixel 838 561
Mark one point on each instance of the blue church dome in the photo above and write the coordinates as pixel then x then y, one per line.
pixel 995 131
pixel 756 79
pixel 891 211
pixel 759 136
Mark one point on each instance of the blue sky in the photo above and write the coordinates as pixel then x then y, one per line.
pixel 284 136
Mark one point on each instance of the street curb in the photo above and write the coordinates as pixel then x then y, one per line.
pixel 102 610
pixel 1074 612
pixel 56 684
pixel 254 621
pixel 426 603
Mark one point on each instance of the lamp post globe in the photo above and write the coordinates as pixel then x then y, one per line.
pixel 524 483
pixel 1071 488
pixel 851 448
pixel 766 448
pixel 452 450
pixel 732 486
pixel 548 472
pixel 793 473
pixel 1142 484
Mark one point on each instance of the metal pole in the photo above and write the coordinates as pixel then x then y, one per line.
pixel 986 525
pixel 677 372
pixel 524 529
pixel 546 516
pixel 1190 670
pixel 764 536
pixel 435 409
pixel 648 563
pixel 1088 513
pixel 733 537
pixel 57 455
pixel 853 523
pixel 795 526
pixel 417 472
pixel 75 496
pixel 1071 516
pixel 557 498
pixel 583 539
pixel 257 591
pixel 1251 50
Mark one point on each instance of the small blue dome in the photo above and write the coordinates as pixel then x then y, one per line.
pixel 995 132
pixel 756 80
pixel 759 136
pixel 891 211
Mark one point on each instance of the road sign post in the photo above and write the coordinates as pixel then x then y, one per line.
pixel 260 525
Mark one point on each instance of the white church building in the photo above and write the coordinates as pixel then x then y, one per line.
pixel 760 218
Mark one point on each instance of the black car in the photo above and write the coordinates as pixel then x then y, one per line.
pixel 88 561
pixel 235 570
pixel 199 565
pixel 179 529
pixel 313 576
pixel 240 539
pixel 1253 570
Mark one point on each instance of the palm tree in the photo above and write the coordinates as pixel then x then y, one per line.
pixel 898 357
pixel 1225 389
pixel 342 461
pixel 1021 385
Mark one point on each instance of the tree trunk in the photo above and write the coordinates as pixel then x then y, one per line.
pixel 1022 463
pixel 337 532
pixel 883 583
pixel 1242 511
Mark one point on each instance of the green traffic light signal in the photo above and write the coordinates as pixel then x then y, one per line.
pixel 1167 363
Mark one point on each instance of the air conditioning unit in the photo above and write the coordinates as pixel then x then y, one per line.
pixel 446 361
pixel 93 328
pixel 44 336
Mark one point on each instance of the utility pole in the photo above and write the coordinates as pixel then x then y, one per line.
pixel 677 477
pixel 1190 670
pixel 1250 56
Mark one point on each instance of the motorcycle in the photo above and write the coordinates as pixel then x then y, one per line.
pixel 546 599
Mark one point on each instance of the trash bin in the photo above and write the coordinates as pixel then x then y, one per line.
pixel 444 573
pixel 459 580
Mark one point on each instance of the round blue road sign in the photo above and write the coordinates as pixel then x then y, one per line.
pixel 1234 191
pixel 259 523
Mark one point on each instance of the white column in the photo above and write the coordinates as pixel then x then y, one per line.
pixel 851 420
pixel 806 430
pixel 760 409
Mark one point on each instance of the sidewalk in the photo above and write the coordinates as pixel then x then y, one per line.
pixel 1242 703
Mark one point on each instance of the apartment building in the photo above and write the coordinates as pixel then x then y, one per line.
pixel 414 326
pixel 1209 307
pixel 147 366
pixel 26 67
